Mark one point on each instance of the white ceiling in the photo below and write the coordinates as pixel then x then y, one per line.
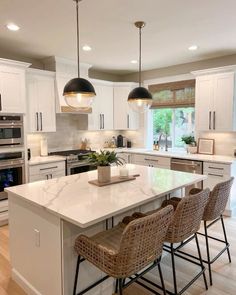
pixel 48 28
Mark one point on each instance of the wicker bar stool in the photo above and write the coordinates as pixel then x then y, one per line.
pixel 182 229
pixel 213 212
pixel 124 251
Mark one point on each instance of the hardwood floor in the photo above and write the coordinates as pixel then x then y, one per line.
pixel 224 274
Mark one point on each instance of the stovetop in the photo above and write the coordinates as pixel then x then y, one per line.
pixel 73 155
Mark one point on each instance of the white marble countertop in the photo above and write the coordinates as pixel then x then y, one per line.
pixel 182 155
pixel 44 160
pixel 75 200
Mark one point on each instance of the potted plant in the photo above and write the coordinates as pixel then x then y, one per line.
pixel 190 143
pixel 103 161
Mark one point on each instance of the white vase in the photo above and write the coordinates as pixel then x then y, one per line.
pixel 191 149
pixel 104 174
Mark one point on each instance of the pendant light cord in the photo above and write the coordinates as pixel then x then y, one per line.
pixel 78 45
pixel 140 55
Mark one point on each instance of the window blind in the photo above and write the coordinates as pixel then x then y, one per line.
pixel 173 94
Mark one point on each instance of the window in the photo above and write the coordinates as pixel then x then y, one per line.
pixel 174 123
pixel 173 111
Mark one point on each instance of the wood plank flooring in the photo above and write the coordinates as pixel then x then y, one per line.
pixel 224 274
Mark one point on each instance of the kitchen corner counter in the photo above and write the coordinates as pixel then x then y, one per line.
pixel 181 155
pixel 44 160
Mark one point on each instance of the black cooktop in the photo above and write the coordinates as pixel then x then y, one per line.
pixel 71 152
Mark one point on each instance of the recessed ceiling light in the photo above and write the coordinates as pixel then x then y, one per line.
pixel 134 61
pixel 87 48
pixel 193 47
pixel 13 27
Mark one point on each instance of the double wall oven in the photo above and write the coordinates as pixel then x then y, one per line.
pixel 12 172
pixel 12 162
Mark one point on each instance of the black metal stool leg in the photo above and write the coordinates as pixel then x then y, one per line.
pixel 225 236
pixel 173 269
pixel 162 280
pixel 76 275
pixel 116 288
pixel 201 262
pixel 120 286
pixel 208 253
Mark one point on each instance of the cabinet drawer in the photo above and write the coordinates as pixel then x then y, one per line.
pixel 47 168
pixel 216 169
pixel 150 159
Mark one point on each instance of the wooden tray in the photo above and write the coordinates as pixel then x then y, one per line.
pixel 114 179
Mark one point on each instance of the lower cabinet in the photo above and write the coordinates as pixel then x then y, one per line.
pixel 216 173
pixel 151 161
pixel 46 171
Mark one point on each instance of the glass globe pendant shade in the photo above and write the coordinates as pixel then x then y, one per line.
pixel 79 93
pixel 140 99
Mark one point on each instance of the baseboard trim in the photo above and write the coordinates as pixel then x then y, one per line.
pixel 23 283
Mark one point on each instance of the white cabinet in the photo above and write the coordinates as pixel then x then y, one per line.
pixel 41 101
pixel 46 171
pixel 124 117
pixel 12 90
pixel 215 102
pixel 216 173
pixel 101 117
pixel 151 161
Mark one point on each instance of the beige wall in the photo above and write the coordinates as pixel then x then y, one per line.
pixel 182 68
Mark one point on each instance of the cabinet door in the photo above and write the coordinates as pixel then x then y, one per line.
pixel 46 104
pixel 32 105
pixel 102 109
pixel 204 103
pixel 41 103
pixel 106 107
pixel 121 114
pixel 12 90
pixel 124 117
pixel 223 102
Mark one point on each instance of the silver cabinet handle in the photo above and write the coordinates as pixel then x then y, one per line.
pixel 216 168
pixel 214 120
pixel 210 120
pixel 128 121
pixel 41 121
pixel 100 121
pixel 217 175
pixel 154 160
pixel 54 167
pixel 0 102
pixel 37 121
pixel 103 120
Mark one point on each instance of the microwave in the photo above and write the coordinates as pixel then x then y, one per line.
pixel 11 131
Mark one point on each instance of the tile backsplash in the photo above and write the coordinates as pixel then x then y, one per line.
pixel 71 129
pixel 225 143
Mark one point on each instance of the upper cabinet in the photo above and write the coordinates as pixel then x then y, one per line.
pixel 41 101
pixel 12 87
pixel 215 106
pixel 124 117
pixel 101 117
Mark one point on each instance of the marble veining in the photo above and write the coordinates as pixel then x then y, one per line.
pixel 81 203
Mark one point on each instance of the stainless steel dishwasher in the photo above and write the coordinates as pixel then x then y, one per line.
pixel 188 166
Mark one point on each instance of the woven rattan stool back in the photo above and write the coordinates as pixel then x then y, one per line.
pixel 187 217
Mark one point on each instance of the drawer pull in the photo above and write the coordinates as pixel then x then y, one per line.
pixel 216 168
pixel 54 167
pixel 217 175
pixel 146 159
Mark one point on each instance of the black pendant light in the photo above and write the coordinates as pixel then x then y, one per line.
pixel 140 99
pixel 79 92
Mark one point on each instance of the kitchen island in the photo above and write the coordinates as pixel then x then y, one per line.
pixel 45 217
